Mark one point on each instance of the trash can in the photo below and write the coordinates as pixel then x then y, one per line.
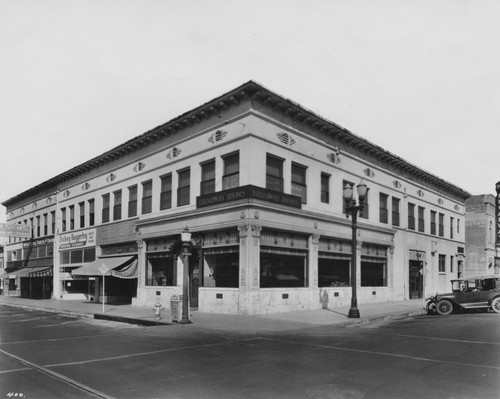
pixel 176 308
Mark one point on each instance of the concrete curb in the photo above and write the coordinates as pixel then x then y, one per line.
pixel 68 313
pixel 390 317
pixel 143 322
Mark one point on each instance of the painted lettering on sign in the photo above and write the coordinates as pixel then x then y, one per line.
pixel 15 230
pixel 248 192
pixel 85 238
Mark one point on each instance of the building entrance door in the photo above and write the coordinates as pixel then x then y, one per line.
pixel 416 279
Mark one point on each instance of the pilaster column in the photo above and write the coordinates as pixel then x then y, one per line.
pixel 141 263
pixel 313 261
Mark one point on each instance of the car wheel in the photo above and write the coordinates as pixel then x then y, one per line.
pixel 495 304
pixel 444 307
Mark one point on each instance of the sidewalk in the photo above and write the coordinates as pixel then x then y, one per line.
pixel 262 323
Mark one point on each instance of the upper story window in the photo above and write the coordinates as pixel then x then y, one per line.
pixel 105 208
pixel 46 224
pixel 441 225
pixel 72 217
pixel 231 176
pixel 274 173
pixel 421 219
pixel 53 222
pixel 166 192
pixel 383 208
pixel 132 201
pixel 299 187
pixel 207 184
pixel 442 263
pixel 344 205
pixel 183 190
pixel 433 222
pixel 365 212
pixel 452 220
pixel 395 211
pixel 411 216
pixel 63 219
pixel 38 226
pixel 147 197
pixel 325 188
pixel 81 205
pixel 91 203
pixel 117 205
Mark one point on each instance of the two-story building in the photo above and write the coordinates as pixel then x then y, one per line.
pixel 258 181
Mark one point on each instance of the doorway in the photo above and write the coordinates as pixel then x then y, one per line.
pixel 416 282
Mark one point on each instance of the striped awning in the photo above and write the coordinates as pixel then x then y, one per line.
pixel 41 271
pixel 120 266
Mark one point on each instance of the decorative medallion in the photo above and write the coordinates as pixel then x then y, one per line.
pixel 11 214
pixel 285 138
pixel 22 210
pixel 334 157
pixel 457 208
pixel 66 194
pixel 111 177
pixel 217 136
pixel 369 172
pixel 49 200
pixel 397 184
pixel 139 166
pixel 85 186
pixel 174 152
pixel 420 193
pixel 440 201
pixel 35 205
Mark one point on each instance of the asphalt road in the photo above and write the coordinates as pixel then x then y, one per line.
pixel 44 355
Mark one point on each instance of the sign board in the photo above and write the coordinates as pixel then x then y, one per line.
pixel 79 239
pixel 103 268
pixel 15 230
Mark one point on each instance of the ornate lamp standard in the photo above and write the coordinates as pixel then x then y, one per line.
pixel 353 209
pixel 186 252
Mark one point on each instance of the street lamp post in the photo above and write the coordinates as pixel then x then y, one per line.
pixel 353 210
pixel 186 252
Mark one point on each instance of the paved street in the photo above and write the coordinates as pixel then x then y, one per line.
pixel 46 355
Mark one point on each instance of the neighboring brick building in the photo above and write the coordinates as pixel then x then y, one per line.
pixel 479 235
pixel 258 179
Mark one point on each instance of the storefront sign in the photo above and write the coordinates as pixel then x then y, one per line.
pixel 248 192
pixel 15 230
pixel 78 239
pixel 42 241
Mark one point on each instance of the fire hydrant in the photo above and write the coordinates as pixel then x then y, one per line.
pixel 157 308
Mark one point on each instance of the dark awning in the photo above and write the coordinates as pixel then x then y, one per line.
pixel 121 266
pixel 42 271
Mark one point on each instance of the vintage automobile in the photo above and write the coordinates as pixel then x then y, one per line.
pixel 478 292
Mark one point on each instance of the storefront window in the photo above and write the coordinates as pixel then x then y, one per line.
pixel 373 272
pixel 223 266
pixel 161 270
pixel 282 268
pixel 333 270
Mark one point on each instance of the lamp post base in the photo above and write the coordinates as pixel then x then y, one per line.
pixel 187 321
pixel 353 313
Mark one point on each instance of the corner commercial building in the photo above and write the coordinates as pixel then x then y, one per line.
pixel 258 180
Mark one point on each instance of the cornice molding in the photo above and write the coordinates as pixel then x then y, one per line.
pixel 259 97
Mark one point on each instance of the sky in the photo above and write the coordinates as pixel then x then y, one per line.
pixel 419 78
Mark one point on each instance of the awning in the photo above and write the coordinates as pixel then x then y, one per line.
pixel 41 271
pixel 122 267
